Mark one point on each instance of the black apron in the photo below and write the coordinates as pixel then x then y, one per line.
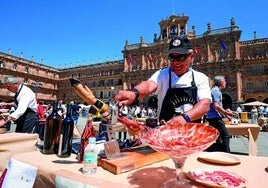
pixel 178 100
pixel 28 120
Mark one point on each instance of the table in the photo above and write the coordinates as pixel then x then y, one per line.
pixel 50 167
pixel 242 129
pixel 12 143
pixel 250 130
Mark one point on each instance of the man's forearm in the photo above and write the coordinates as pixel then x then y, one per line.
pixel 146 88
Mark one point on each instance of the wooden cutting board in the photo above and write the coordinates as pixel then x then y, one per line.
pixel 131 160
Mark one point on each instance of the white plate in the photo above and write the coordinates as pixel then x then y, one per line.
pixel 209 176
pixel 220 158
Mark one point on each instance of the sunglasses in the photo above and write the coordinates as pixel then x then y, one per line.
pixel 179 57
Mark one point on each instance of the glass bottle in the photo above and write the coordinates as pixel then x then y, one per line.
pixel 52 131
pixel 66 134
pixel 87 133
pixel 90 157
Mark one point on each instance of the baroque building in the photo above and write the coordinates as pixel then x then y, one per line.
pixel 42 79
pixel 104 79
pixel 217 51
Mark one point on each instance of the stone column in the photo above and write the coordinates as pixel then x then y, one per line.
pixel 238 86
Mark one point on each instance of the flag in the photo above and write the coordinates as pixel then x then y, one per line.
pixel 129 59
pixel 150 58
pixel 196 50
pixel 223 46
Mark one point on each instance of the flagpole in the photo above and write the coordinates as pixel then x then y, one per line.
pixel 172 7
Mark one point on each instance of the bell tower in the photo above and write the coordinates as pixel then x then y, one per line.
pixel 174 26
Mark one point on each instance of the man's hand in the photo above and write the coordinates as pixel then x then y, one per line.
pixel 229 114
pixel 125 98
pixel 176 120
pixel 2 122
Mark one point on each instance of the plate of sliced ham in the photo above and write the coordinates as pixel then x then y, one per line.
pixel 220 158
pixel 217 178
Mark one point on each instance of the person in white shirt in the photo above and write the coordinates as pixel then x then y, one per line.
pixel 25 104
pixel 183 93
pixel 239 109
pixel 254 115
pixel 265 111
pixel 61 109
pixel 137 111
pixel 124 110
pixel 143 112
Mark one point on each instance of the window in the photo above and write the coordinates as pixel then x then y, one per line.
pixel 266 85
pixel 182 31
pixel 26 70
pixel 2 64
pixel 164 34
pixel 173 31
pixel 101 83
pixel 250 85
pixel 15 66
pixel 110 82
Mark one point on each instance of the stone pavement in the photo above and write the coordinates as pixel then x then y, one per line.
pixel 238 144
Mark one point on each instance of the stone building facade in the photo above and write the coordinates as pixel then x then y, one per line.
pixel 217 51
pixel 42 79
pixel 104 79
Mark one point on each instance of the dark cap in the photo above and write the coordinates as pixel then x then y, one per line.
pixel 180 45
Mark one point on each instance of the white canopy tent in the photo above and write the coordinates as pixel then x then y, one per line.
pixel 255 103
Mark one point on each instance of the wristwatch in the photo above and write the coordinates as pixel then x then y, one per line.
pixel 137 93
pixel 186 117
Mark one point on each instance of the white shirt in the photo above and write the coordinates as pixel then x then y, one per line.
pixel 161 77
pixel 239 110
pixel 137 110
pixel 124 110
pixel 26 99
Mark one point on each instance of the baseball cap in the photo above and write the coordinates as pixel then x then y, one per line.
pixel 180 45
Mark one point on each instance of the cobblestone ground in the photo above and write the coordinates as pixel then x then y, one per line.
pixel 239 144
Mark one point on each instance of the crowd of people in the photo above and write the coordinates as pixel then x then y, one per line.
pixel 258 112
pixel 137 111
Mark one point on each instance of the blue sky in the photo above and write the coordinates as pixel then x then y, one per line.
pixel 71 32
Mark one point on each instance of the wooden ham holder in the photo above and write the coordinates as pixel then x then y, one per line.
pixel 133 159
pixel 115 162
